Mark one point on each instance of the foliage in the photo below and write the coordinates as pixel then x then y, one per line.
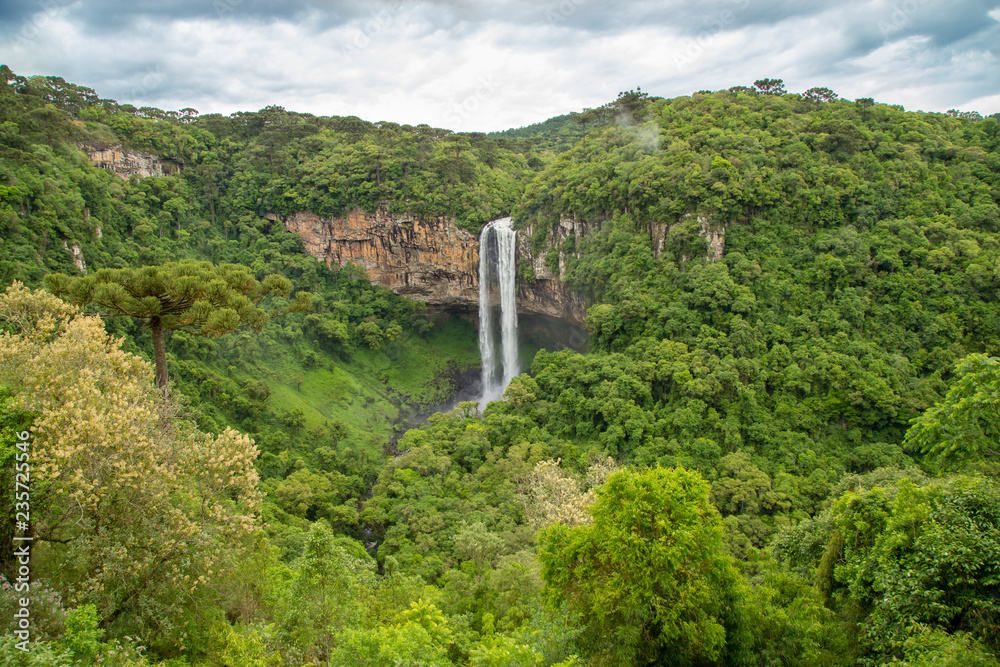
pixel 649 575
pixel 551 495
pixel 135 509
pixel 965 426
pixel 933 646
pixel 907 556
pixel 326 595
pixel 196 297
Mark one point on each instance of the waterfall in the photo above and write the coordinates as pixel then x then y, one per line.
pixel 496 258
pixel 486 346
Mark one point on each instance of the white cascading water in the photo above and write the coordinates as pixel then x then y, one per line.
pixel 503 237
pixel 486 345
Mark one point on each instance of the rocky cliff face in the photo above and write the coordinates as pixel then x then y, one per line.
pixel 436 262
pixel 547 294
pixel 77 255
pixel 713 233
pixel 126 162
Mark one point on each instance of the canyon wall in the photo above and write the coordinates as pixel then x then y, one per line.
pixel 436 262
pixel 547 294
pixel 127 162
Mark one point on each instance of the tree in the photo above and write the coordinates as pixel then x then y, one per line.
pixel 327 594
pixel 965 426
pixel 135 510
pixel 649 576
pixel 770 86
pixel 966 115
pixel 196 297
pixel 864 105
pixel 581 119
pixel 820 95
pixel 904 557
pixel 632 102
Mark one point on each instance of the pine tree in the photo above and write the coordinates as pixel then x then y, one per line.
pixel 196 297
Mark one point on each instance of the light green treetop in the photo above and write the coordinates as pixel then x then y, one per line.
pixel 965 426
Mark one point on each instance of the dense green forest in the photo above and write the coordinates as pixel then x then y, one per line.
pixel 782 453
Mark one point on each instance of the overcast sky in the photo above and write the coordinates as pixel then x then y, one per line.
pixel 493 64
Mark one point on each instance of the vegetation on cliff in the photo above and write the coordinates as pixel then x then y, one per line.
pixel 781 455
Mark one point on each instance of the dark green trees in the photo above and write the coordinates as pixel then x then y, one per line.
pixel 649 576
pixel 965 426
pixel 906 559
pixel 197 297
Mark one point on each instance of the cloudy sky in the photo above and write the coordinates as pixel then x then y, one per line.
pixel 493 64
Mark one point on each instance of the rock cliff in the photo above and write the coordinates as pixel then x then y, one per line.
pixel 547 294
pixel 126 162
pixel 714 234
pixel 436 262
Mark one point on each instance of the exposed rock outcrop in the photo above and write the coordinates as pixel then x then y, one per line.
pixel 715 235
pixel 77 256
pixel 436 262
pixel 126 162
pixel 547 294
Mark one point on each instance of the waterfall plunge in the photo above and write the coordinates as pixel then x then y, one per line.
pixel 496 257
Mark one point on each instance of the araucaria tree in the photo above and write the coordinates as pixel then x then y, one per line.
pixel 136 511
pixel 197 297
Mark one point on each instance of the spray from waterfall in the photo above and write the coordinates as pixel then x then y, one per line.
pixel 496 258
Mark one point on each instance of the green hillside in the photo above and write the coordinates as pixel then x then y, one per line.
pixel 780 447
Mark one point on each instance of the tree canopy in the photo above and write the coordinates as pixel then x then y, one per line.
pixel 965 426
pixel 195 297
pixel 138 509
pixel 649 575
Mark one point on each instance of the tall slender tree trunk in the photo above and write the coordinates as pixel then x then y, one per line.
pixel 159 353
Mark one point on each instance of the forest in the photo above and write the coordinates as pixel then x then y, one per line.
pixel 778 451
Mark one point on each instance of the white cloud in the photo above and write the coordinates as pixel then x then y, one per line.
pixel 492 67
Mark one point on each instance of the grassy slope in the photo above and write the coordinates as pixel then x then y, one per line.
pixel 365 391
pixel 369 390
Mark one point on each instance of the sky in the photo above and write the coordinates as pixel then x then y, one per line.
pixel 486 65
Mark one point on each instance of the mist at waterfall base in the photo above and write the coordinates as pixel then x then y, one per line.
pixel 497 274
